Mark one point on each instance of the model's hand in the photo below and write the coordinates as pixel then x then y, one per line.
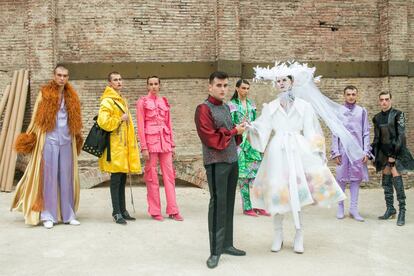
pixel 125 117
pixel 338 160
pixel 241 128
pixel 145 155
pixel 365 160
pixel 391 160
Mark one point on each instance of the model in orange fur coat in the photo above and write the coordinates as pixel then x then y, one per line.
pixel 29 197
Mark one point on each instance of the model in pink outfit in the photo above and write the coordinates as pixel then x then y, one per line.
pixel 157 144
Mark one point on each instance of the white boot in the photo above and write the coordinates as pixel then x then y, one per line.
pixel 298 242
pixel 278 228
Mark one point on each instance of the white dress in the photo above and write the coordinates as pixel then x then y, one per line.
pixel 293 172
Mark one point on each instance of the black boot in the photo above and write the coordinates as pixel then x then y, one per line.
pixel 119 219
pixel 122 204
pixel 401 218
pixel 399 189
pixel 126 216
pixel 114 187
pixel 389 197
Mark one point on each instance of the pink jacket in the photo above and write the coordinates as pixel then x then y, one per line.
pixel 154 124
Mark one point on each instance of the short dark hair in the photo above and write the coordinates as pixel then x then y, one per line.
pixel 112 73
pixel 154 77
pixel 59 65
pixel 350 87
pixel 219 75
pixel 385 93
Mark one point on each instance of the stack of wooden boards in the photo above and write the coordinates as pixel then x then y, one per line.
pixel 15 96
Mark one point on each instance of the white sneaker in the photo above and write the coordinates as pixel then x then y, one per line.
pixel 74 222
pixel 48 224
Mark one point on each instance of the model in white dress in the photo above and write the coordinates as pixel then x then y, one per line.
pixel 293 172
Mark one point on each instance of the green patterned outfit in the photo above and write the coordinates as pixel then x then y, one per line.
pixel 249 158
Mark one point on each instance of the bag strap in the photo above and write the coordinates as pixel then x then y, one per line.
pixel 108 137
pixel 118 106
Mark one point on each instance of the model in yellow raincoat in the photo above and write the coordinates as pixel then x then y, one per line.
pixel 123 147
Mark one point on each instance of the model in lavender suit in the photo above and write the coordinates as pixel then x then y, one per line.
pixel 356 121
pixel 58 171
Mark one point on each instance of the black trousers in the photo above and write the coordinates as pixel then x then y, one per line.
pixel 117 187
pixel 222 182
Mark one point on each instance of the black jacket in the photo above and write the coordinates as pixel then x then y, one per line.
pixel 398 148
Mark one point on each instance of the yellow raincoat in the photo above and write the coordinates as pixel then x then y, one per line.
pixel 124 148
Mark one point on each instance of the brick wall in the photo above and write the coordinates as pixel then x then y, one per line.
pixel 12 39
pixel 290 29
pixel 38 34
pixel 114 31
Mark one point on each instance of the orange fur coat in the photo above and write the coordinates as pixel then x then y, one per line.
pixel 45 116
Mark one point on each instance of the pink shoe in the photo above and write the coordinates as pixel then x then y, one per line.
pixel 176 217
pixel 261 212
pixel 158 217
pixel 250 213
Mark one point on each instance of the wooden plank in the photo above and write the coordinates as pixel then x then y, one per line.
pixel 18 129
pixel 6 121
pixel 4 99
pixel 7 152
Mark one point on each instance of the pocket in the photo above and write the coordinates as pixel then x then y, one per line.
pixel 152 136
pixel 163 110
pixel 150 110
pixel 167 135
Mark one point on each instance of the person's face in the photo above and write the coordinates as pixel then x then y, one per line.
pixel 61 76
pixel 243 90
pixel 116 82
pixel 350 96
pixel 153 85
pixel 218 88
pixel 284 83
pixel 385 102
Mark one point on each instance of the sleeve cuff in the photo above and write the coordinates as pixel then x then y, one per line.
pixel 233 132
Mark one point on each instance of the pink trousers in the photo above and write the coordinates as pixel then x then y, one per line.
pixel 153 186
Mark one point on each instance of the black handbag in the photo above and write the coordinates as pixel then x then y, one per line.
pixel 98 140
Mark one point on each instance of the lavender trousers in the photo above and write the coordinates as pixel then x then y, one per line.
pixel 58 183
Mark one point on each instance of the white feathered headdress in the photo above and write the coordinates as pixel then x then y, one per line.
pixel 304 87
pixel 301 73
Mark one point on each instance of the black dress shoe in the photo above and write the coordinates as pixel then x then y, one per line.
pixel 234 251
pixel 212 261
pixel 126 216
pixel 119 219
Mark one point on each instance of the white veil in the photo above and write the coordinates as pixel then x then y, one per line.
pixel 304 87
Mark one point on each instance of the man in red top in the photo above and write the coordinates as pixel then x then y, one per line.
pixel 219 138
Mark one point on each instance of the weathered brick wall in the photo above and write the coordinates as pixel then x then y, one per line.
pixel 38 34
pixel 12 39
pixel 290 29
pixel 114 31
